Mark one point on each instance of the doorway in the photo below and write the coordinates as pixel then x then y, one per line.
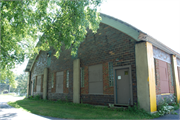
pixel 123 86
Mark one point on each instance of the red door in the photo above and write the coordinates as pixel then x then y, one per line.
pixel 164 84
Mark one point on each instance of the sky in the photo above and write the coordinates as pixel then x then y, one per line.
pixel 158 18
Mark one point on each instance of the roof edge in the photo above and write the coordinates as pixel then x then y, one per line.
pixel 126 28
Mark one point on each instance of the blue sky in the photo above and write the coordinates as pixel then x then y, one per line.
pixel 158 18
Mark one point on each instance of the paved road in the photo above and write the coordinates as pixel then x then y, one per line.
pixel 9 113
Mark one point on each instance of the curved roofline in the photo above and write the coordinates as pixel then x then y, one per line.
pixel 128 29
pixel 121 26
pixel 135 33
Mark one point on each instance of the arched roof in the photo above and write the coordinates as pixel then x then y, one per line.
pixel 121 26
pixel 128 29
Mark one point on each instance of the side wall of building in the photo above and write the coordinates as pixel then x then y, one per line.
pixel 108 47
pixel 163 74
pixel 38 71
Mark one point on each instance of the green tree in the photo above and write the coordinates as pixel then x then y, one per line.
pixel 62 22
pixel 21 84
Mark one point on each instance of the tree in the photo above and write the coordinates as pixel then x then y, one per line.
pixel 62 22
pixel 21 81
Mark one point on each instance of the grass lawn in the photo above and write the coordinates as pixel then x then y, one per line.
pixel 61 109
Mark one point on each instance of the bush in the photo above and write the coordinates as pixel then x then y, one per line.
pixel 164 106
pixel 36 97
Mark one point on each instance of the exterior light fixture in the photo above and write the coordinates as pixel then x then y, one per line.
pixel 48 55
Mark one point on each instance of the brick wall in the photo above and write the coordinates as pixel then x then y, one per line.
pixel 39 65
pixel 107 45
pixel 107 90
pixel 158 88
pixel 170 78
pixel 85 89
pixel 97 99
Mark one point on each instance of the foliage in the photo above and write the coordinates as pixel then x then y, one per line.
pixel 36 97
pixel 164 106
pixel 62 22
pixel 137 110
pixel 71 110
pixel 21 81
pixel 7 76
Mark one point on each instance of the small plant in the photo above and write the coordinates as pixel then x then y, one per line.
pixel 66 98
pixel 81 101
pixel 37 97
pixel 137 110
pixel 30 97
pixel 174 113
pixel 164 106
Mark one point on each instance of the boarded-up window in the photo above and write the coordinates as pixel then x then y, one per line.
pixel 59 82
pixel 38 86
pixel 95 79
pixel 164 84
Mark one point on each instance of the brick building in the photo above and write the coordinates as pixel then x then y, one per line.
pixel 119 65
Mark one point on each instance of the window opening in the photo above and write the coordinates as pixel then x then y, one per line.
pixel 67 79
pixel 111 77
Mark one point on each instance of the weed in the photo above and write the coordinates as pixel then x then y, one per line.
pixel 37 97
pixel 174 113
pixel 66 98
pixel 164 108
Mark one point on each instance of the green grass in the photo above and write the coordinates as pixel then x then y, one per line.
pixel 61 109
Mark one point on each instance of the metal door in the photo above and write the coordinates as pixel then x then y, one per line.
pixel 123 87
pixel 59 82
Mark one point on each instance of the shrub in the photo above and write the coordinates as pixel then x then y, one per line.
pixel 164 105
